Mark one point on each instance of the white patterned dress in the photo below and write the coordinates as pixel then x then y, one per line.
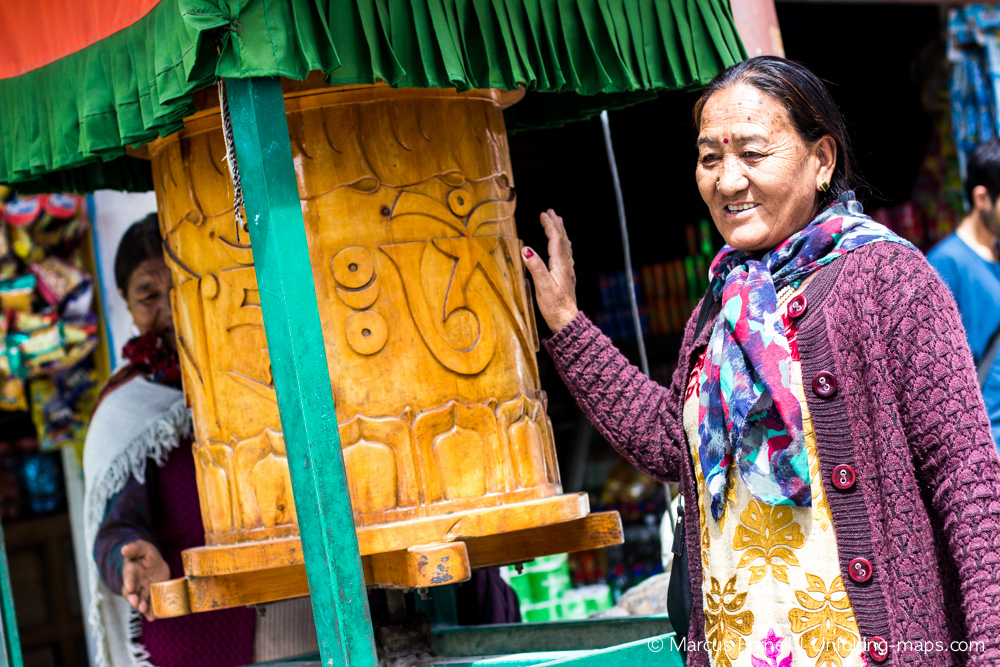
pixel 772 589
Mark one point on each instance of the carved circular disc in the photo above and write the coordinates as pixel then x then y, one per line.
pixel 353 267
pixel 210 286
pixel 359 299
pixel 194 216
pixel 367 332
pixel 460 202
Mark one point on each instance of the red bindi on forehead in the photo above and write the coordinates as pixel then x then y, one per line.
pixel 725 140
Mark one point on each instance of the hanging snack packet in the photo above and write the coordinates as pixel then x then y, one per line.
pixel 23 211
pixel 57 279
pixel 49 410
pixel 24 246
pixel 78 353
pixel 12 392
pixel 16 293
pixel 79 304
pixel 21 321
pixel 74 383
pixel 8 262
pixel 78 332
pixel 11 363
pixel 62 206
pixel 12 395
pixel 60 222
pixel 41 346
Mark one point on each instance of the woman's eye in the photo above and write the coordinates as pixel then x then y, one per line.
pixel 752 155
pixel 709 158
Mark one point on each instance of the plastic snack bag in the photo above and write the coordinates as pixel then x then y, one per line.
pixel 57 279
pixel 15 294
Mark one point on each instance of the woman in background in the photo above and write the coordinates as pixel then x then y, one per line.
pixel 141 504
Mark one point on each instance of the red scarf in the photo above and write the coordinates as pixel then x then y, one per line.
pixel 150 355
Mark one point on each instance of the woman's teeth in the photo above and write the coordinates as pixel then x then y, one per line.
pixel 734 208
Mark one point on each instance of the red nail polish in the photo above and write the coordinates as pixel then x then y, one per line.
pixel 528 254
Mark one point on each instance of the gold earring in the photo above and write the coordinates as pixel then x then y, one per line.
pixel 824 186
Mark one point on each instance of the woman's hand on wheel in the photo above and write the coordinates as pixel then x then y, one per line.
pixel 555 284
pixel 142 566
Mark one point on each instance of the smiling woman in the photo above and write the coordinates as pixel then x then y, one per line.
pixel 824 420
pixel 771 142
pixel 759 178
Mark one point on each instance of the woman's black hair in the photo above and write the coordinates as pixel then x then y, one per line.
pixel 810 107
pixel 140 242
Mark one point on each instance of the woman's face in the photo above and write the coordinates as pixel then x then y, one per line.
pixel 148 299
pixel 759 178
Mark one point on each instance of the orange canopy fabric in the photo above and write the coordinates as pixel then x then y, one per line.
pixel 35 33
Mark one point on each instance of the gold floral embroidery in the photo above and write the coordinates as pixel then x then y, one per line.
pixel 730 497
pixel 767 531
pixel 821 508
pixel 706 541
pixel 725 625
pixel 706 538
pixel 826 622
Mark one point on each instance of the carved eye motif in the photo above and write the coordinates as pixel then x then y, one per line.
pixel 460 202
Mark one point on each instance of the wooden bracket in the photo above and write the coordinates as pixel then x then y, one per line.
pixel 596 531
pixel 392 537
pixel 170 598
pixel 422 566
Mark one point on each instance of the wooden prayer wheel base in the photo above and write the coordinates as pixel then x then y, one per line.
pixel 448 549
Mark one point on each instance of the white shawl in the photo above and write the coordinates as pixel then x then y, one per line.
pixel 137 421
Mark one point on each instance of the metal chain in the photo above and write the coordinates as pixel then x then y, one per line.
pixel 234 170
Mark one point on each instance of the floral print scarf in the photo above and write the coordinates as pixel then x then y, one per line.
pixel 748 410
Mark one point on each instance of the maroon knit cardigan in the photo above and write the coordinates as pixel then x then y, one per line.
pixel 907 416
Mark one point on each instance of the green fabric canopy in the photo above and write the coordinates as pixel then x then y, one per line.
pixel 69 121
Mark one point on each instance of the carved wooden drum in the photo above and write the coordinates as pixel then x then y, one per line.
pixel 429 329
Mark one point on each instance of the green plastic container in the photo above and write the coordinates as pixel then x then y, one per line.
pixel 539 613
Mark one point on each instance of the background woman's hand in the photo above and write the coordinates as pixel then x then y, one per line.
pixel 142 566
pixel 555 284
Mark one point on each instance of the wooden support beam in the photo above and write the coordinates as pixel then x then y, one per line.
pixel 230 559
pixel 596 531
pixel 301 374
pixel 422 566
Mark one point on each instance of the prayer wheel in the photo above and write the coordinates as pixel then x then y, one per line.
pixel 408 201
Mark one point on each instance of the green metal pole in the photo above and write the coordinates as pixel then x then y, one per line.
pixel 11 656
pixel 301 374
